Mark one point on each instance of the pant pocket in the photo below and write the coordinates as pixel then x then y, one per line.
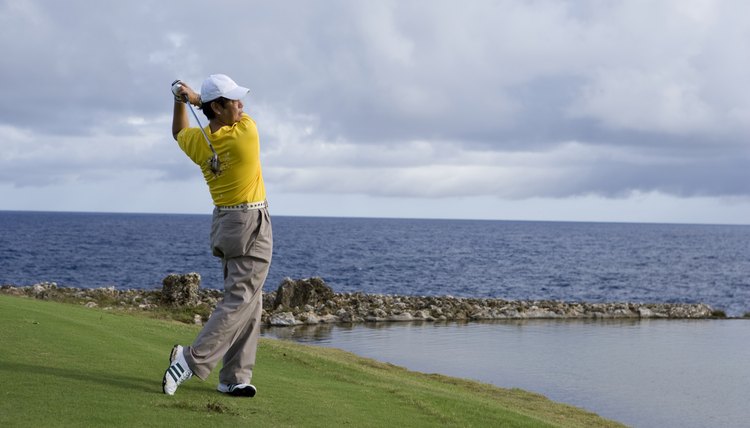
pixel 234 233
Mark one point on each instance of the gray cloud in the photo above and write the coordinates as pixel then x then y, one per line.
pixel 388 97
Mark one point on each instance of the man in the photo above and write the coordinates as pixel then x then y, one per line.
pixel 240 235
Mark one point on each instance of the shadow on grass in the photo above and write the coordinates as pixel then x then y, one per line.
pixel 102 378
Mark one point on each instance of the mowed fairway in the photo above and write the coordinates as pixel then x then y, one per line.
pixel 66 365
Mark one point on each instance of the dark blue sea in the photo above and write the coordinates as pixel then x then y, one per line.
pixel 593 262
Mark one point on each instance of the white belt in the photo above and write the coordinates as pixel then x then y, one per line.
pixel 243 207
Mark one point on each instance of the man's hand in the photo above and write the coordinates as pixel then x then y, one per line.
pixel 182 90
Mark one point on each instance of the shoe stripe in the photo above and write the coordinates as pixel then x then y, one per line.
pixel 176 370
pixel 174 378
pixel 172 373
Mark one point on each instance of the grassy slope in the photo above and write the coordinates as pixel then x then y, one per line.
pixel 65 365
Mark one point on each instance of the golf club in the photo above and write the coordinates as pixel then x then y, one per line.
pixel 215 165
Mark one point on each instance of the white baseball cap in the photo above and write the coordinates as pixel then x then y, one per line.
pixel 220 85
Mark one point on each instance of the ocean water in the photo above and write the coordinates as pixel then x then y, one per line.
pixel 643 373
pixel 501 259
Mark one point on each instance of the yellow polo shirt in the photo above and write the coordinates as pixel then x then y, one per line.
pixel 238 147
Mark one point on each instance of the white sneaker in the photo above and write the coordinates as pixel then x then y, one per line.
pixel 237 389
pixel 178 371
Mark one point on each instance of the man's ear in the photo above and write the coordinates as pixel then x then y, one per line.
pixel 216 107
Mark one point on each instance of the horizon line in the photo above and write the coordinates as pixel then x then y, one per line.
pixel 666 223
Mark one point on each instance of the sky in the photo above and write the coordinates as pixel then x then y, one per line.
pixel 633 110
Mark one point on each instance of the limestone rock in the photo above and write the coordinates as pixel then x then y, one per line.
pixel 329 319
pixel 378 313
pixel 181 290
pixel 283 319
pixel 309 318
pixel 37 289
pixel 423 315
pixel 296 294
pixel 344 316
pixel 403 316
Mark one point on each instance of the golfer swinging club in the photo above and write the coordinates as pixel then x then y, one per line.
pixel 228 153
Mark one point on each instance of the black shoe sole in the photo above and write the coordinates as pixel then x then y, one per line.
pixel 248 391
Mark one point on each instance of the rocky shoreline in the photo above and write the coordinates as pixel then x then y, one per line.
pixel 310 301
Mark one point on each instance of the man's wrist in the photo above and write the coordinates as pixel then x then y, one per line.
pixel 187 99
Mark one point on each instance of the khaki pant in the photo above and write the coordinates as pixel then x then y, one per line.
pixel 244 242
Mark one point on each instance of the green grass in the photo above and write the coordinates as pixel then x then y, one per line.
pixel 65 365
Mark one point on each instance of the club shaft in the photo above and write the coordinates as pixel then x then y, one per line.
pixel 203 131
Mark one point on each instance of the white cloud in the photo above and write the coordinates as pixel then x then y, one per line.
pixel 640 101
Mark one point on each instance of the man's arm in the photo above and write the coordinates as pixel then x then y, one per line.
pixel 180 119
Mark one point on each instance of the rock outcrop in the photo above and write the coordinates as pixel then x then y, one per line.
pixel 181 290
pixel 311 301
pixel 293 294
